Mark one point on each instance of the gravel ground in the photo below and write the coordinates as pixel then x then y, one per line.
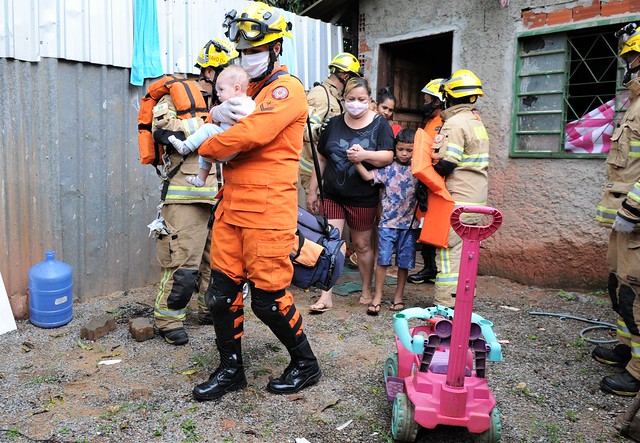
pixel 53 390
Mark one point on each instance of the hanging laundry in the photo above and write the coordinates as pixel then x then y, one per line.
pixel 146 61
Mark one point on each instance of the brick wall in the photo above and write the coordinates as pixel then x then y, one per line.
pixel 598 8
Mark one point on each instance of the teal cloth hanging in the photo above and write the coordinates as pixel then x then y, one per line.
pixel 146 61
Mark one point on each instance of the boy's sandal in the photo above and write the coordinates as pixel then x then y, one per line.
pixel 373 309
pixel 397 306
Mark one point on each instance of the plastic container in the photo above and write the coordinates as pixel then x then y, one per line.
pixel 50 292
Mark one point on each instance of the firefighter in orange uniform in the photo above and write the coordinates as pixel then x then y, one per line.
pixel 255 223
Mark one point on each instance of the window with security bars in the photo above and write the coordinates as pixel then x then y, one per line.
pixel 568 93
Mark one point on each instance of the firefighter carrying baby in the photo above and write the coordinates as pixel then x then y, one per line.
pixel 255 222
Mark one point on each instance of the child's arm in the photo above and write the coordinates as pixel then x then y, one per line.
pixel 366 175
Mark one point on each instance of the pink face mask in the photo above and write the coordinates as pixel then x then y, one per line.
pixel 356 108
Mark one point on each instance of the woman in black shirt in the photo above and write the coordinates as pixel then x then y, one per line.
pixel 358 135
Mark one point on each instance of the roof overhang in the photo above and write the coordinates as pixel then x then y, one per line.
pixel 336 12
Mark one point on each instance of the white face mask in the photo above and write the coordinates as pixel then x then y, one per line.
pixel 255 64
pixel 356 108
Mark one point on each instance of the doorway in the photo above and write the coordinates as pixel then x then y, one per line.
pixel 405 67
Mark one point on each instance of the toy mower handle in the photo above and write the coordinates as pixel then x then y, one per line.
pixel 473 231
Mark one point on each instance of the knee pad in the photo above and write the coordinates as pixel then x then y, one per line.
pixel 612 288
pixel 277 311
pixel 184 285
pixel 264 303
pixel 626 298
pixel 221 293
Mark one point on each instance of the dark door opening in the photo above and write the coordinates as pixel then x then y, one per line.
pixel 405 67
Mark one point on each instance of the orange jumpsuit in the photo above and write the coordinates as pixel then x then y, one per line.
pixel 255 223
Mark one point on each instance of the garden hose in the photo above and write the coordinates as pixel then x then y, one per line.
pixel 599 325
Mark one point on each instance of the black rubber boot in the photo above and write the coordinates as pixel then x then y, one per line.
pixel 228 377
pixel 426 275
pixel 618 356
pixel 623 384
pixel 303 371
pixel 176 337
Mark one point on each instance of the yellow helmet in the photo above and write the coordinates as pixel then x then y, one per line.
pixel 257 25
pixel 463 83
pixel 217 53
pixel 629 39
pixel 434 88
pixel 345 62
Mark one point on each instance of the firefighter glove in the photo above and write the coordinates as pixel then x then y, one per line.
pixel 623 225
pixel 230 111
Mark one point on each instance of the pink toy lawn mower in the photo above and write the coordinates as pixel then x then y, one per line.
pixel 437 377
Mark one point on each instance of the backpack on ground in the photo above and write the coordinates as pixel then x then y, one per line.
pixel 188 101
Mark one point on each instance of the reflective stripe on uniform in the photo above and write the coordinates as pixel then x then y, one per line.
pixel 635 349
pixel 634 194
pixel 160 312
pixel 457 203
pixel 622 329
pixel 447 279
pixel 190 125
pixel 605 215
pixel 634 149
pixel 476 160
pixel 315 120
pixel 454 151
pixel 201 302
pixel 169 314
pixel 191 193
pixel 306 165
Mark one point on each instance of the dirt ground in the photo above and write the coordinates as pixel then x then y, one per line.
pixel 55 390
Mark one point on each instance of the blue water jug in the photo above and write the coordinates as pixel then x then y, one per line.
pixel 50 287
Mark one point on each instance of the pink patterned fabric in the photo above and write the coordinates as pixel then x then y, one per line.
pixel 591 133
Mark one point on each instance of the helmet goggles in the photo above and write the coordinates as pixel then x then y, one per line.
pixel 250 29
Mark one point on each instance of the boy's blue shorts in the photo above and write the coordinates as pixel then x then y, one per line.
pixel 400 241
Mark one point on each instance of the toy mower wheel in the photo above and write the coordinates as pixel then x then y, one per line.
pixel 403 426
pixel 494 433
pixel 391 366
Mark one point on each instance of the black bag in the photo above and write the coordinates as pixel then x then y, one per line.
pixel 319 253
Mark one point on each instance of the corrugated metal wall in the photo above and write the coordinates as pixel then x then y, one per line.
pixel 101 32
pixel 70 177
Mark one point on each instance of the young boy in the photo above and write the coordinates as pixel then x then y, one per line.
pixel 397 230
pixel 231 82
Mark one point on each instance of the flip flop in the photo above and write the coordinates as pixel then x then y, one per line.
pixel 364 301
pixel 319 308
pixel 397 306
pixel 373 309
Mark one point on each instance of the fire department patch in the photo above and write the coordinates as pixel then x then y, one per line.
pixel 438 138
pixel 280 93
